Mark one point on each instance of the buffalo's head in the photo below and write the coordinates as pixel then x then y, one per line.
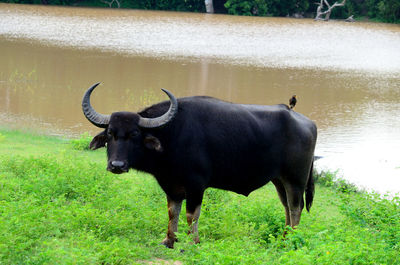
pixel 126 134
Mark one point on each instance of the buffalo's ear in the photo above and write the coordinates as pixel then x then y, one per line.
pixel 98 141
pixel 153 143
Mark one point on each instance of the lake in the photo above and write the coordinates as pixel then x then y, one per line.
pixel 346 75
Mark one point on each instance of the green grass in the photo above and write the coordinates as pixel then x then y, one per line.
pixel 58 205
pixel 32 144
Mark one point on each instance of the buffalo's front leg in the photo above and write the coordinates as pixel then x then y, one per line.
pixel 193 222
pixel 193 207
pixel 174 209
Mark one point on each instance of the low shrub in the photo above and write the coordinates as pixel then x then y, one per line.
pixel 330 179
pixel 82 143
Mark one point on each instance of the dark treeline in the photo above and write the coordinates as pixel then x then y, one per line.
pixel 376 10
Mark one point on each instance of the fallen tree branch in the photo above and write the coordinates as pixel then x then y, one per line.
pixel 328 11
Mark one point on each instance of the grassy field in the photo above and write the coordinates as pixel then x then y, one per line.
pixel 58 205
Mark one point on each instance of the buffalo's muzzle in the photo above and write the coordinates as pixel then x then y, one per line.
pixel 117 167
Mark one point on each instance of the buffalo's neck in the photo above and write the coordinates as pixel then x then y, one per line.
pixel 151 164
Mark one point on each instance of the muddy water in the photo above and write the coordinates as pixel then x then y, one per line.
pixel 346 76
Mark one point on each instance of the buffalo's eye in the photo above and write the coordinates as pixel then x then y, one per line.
pixel 110 133
pixel 134 133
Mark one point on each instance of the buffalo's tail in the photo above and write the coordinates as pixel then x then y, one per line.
pixel 310 188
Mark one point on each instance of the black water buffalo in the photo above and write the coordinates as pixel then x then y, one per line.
pixel 190 144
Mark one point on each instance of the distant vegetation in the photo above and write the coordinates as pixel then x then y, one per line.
pixel 377 10
pixel 58 205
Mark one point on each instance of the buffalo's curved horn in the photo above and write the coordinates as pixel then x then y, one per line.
pixel 97 119
pixel 165 118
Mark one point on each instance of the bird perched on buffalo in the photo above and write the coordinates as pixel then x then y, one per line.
pixel 292 101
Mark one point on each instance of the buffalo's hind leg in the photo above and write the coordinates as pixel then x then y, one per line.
pixel 294 194
pixel 174 209
pixel 282 196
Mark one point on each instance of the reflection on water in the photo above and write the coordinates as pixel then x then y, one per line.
pixel 41 85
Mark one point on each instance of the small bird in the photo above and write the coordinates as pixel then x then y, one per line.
pixel 292 101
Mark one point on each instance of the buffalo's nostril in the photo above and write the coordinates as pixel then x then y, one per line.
pixel 117 164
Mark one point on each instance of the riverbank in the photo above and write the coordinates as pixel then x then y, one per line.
pixel 58 204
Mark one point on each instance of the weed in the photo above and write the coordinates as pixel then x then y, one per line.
pixel 330 179
pixel 82 143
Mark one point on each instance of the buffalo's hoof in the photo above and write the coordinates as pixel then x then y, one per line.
pixel 168 242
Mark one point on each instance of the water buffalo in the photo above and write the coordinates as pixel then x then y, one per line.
pixel 190 144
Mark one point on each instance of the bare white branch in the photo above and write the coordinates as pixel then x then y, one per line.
pixel 328 11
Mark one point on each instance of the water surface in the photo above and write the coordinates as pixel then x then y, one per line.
pixel 346 76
